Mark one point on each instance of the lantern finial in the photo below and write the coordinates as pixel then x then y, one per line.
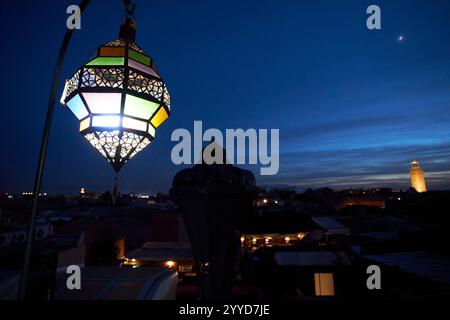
pixel 128 31
pixel 128 28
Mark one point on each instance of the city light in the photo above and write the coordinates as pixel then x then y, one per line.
pixel 170 264
pixel 301 235
pixel 31 193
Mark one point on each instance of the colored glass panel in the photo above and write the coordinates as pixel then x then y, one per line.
pixel 138 57
pixel 106 61
pixel 141 67
pixel 151 130
pixel 138 107
pixel 112 51
pixel 159 117
pixel 106 121
pixel 84 124
pixel 77 106
pixel 134 124
pixel 103 102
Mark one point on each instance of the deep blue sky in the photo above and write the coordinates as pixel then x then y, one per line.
pixel 353 106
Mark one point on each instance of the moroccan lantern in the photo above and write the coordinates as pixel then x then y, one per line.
pixel 119 98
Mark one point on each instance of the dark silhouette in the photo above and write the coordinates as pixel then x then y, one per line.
pixel 213 200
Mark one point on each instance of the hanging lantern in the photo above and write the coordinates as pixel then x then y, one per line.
pixel 119 98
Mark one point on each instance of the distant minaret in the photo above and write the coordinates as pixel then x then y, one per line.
pixel 417 177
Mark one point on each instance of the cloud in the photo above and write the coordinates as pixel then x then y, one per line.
pixel 341 125
pixel 376 166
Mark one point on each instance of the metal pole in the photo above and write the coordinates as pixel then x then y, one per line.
pixel 42 154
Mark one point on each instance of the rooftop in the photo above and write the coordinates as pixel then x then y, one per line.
pixel 112 283
pixel 162 251
pixel 421 263
pixel 280 223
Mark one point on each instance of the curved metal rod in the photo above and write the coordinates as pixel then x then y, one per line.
pixel 42 156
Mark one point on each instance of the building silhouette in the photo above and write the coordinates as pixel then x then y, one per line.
pixel 417 177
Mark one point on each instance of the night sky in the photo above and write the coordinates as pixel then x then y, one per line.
pixel 353 106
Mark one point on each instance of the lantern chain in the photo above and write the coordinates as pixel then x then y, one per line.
pixel 129 9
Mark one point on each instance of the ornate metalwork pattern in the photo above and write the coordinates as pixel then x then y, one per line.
pixel 102 77
pixel 121 43
pixel 139 83
pixel 116 145
pixel 71 85
pixel 129 144
pixel 166 97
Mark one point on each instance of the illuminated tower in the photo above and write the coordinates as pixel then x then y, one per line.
pixel 417 177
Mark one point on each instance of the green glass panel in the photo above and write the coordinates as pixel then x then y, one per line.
pixel 138 107
pixel 138 57
pixel 106 61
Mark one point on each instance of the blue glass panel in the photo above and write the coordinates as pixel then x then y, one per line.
pixel 76 105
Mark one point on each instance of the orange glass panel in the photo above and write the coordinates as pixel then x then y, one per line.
pixel 112 51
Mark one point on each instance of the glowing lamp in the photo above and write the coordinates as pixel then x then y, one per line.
pixel 119 98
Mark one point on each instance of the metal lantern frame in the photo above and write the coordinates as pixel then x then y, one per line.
pixel 119 98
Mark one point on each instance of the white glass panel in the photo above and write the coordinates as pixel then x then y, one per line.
pixel 106 121
pixel 151 130
pixel 104 102
pixel 134 124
